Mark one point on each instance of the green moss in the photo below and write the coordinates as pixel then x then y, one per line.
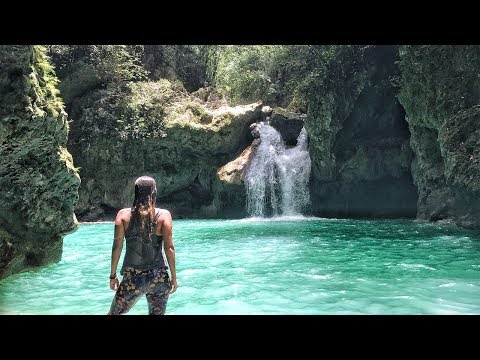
pixel 222 120
pixel 5 236
pixel 131 111
pixel 331 96
pixel 36 170
pixel 459 139
pixel 199 112
pixel 438 81
pixel 84 68
pixel 67 158
pixel 45 83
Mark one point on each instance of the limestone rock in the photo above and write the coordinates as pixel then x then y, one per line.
pixel 38 180
pixel 157 129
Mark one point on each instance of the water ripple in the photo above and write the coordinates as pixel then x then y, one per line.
pixel 273 266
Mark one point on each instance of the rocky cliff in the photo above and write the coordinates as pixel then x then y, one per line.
pixel 391 134
pixel 156 129
pixel 38 181
pixel 440 91
pixel 359 139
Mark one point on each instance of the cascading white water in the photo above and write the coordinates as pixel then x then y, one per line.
pixel 294 171
pixel 276 180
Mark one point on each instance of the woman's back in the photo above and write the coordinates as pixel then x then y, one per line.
pixel 143 245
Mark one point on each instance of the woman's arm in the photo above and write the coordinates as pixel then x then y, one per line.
pixel 118 238
pixel 169 248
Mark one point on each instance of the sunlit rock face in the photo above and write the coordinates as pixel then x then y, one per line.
pixel 38 182
pixel 158 129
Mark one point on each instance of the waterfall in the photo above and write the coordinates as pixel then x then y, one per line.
pixel 277 177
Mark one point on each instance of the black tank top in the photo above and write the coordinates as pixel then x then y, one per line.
pixel 141 253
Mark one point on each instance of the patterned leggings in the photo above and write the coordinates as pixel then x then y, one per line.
pixel 155 284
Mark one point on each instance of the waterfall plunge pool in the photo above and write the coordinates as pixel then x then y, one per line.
pixel 286 265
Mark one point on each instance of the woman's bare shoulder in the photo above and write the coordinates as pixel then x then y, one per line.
pixel 123 216
pixel 123 213
pixel 162 211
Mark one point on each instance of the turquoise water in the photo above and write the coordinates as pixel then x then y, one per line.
pixel 281 266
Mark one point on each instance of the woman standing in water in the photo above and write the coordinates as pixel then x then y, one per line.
pixel 147 230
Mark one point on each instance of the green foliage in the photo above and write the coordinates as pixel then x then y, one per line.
pixel 199 112
pixel 67 158
pixel 115 63
pixel 279 75
pixel 134 111
pixel 211 55
pixel 187 63
pixel 83 68
pixel 13 59
pixel 28 84
pixel 339 75
pixel 47 91
pixel 304 67
pixel 243 72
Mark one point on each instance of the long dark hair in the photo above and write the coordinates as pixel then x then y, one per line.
pixel 145 191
